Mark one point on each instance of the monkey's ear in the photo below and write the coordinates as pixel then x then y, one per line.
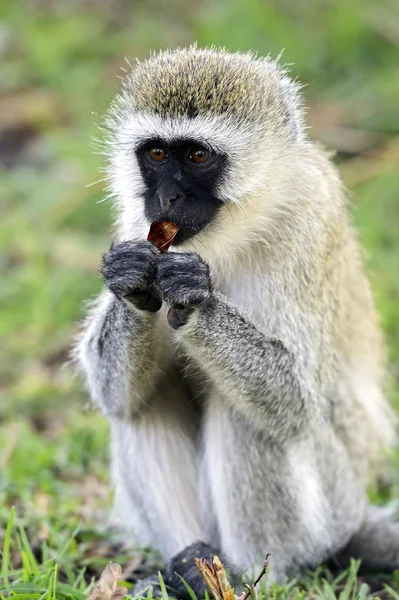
pixel 292 100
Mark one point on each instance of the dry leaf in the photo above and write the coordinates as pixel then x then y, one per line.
pixel 209 576
pixel 216 580
pixel 224 585
pixel 119 593
pixel 107 586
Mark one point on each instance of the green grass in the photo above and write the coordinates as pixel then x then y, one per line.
pixel 59 68
pixel 40 579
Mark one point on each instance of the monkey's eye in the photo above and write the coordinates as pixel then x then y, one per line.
pixel 198 155
pixel 158 154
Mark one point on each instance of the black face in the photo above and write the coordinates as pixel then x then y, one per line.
pixel 181 178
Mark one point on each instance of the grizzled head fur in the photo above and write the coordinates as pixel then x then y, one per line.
pixel 194 83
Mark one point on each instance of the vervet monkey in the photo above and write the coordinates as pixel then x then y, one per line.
pixel 242 371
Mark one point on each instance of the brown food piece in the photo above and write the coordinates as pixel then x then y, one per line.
pixel 162 234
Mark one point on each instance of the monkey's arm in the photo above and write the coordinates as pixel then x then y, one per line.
pixel 118 355
pixel 260 376
pixel 256 372
pixel 119 350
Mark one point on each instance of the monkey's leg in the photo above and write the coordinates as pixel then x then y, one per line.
pixel 254 505
pixel 376 542
pixel 154 461
pixel 272 496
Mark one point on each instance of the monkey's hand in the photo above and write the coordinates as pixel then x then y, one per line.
pixel 185 283
pixel 128 269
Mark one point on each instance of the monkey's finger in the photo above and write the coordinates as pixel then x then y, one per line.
pixel 178 315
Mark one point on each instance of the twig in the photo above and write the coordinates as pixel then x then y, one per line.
pixel 249 591
pixel 261 574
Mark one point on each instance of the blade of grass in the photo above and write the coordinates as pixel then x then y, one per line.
pixel 163 587
pixel 53 595
pixel 80 577
pixel 149 595
pixel 349 591
pixel 363 592
pixel 25 596
pixel 68 571
pixel 391 591
pixel 189 589
pixel 26 546
pixel 26 570
pixel 6 549
pixel 50 586
pixel 45 552
pixel 69 541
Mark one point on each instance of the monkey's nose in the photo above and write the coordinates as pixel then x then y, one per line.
pixel 166 200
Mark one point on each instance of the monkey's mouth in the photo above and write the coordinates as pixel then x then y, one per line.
pixel 191 218
pixel 183 235
pixel 186 228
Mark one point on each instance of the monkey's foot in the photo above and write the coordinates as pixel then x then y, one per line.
pixel 182 567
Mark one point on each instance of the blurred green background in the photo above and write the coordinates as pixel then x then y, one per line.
pixel 59 67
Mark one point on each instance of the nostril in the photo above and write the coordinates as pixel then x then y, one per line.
pixel 166 200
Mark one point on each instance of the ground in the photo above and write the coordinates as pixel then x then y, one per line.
pixel 60 64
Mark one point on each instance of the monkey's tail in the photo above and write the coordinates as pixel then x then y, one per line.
pixel 376 543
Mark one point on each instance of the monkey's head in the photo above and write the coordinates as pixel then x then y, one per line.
pixel 205 139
